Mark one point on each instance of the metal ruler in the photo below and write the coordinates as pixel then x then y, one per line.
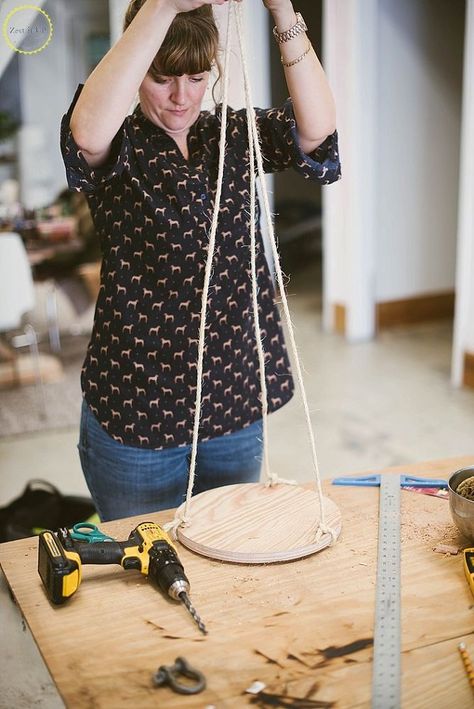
pixel 387 633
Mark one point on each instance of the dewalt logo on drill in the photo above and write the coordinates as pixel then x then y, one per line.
pixel 151 532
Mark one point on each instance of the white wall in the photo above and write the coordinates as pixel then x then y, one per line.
pixel 47 84
pixel 337 29
pixel 395 67
pixel 464 317
pixel 40 166
pixel 419 105
pixel 6 7
pixel 350 61
pixel 117 10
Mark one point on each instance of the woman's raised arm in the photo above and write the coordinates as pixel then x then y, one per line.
pixel 313 102
pixel 110 89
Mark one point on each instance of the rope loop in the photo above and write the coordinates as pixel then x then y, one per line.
pixel 326 529
pixel 180 520
pixel 274 479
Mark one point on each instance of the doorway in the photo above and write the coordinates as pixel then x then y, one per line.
pixel 297 202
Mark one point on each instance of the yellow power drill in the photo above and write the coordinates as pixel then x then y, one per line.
pixel 148 549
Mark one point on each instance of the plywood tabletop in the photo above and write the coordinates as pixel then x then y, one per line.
pixel 304 628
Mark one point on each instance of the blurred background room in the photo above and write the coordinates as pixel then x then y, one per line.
pixel 380 265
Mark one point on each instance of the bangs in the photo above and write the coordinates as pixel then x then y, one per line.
pixel 186 50
pixel 179 63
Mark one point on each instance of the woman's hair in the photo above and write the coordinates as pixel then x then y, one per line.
pixel 190 46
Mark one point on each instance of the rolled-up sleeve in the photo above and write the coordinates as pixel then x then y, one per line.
pixel 80 176
pixel 281 149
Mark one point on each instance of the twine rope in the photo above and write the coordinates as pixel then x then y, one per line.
pixel 183 518
pixel 271 478
pixel 255 155
pixel 323 528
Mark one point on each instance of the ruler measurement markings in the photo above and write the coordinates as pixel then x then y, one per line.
pixel 387 632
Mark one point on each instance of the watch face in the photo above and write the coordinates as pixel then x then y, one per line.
pixel 298 27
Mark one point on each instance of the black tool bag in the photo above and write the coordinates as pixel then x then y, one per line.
pixel 42 506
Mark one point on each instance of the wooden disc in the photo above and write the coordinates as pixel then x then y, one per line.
pixel 250 523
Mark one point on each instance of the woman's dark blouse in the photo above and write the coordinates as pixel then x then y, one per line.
pixel 153 210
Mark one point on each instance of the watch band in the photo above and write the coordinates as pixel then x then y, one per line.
pixel 298 28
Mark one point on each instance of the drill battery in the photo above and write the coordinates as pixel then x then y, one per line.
pixel 60 569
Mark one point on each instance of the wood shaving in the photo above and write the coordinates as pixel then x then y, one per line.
pixel 256 687
pixel 446 549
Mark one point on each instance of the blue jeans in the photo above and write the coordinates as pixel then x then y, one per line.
pixel 126 481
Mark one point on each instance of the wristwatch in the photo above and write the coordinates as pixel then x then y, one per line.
pixel 298 28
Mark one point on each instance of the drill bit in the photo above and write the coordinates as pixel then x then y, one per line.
pixel 185 599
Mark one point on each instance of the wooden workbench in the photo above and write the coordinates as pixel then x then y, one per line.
pixel 270 623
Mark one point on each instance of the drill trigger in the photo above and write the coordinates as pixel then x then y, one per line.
pixel 132 562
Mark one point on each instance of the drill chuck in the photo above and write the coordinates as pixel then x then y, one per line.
pixel 166 570
pixel 177 588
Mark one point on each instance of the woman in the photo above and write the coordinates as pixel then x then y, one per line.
pixel 150 181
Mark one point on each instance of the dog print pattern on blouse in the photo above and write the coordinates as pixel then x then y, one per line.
pixel 152 210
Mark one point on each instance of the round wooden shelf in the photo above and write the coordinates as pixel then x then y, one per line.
pixel 253 524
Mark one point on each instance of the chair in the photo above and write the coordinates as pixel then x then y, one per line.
pixel 17 297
